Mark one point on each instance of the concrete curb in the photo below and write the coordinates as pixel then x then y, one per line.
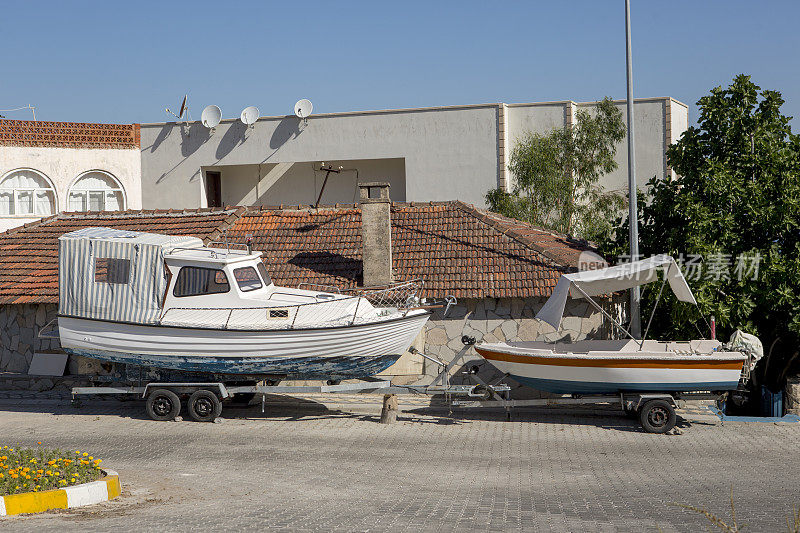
pixel 90 493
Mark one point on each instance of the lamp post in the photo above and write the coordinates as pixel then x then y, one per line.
pixel 633 218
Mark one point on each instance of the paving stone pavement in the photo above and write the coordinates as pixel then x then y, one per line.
pixel 304 467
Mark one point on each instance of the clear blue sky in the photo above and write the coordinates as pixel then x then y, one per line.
pixel 127 61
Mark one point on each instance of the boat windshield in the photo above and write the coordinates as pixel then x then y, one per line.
pixel 247 278
pixel 264 274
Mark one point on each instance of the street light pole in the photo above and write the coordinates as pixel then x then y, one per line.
pixel 633 218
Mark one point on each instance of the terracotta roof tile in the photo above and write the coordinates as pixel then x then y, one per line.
pixel 29 254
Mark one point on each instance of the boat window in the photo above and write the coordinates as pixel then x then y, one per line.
pixel 109 270
pixel 247 278
pixel 196 281
pixel 264 274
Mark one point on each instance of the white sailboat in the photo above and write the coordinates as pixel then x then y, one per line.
pixel 170 302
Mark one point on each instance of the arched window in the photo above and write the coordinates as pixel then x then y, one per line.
pixel 26 192
pixel 96 191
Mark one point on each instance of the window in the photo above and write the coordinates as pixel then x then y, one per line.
pixel 264 275
pixel 26 192
pixel 247 278
pixel 96 191
pixel 110 270
pixel 196 281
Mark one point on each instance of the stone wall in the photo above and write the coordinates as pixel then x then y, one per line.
pixel 792 396
pixel 19 329
pixel 500 320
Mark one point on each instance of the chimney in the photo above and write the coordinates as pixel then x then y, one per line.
pixel 376 233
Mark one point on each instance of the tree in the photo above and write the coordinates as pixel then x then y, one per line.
pixel 736 205
pixel 556 175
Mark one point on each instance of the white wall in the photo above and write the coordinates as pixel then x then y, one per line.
pixel 650 125
pixel 63 165
pixel 301 182
pixel 449 153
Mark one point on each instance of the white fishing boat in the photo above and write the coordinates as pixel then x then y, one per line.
pixel 173 303
pixel 617 366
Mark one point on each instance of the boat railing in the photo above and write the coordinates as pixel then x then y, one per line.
pixel 393 301
pixel 307 286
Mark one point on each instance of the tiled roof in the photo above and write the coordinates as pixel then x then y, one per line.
pixel 69 134
pixel 455 248
pixel 29 254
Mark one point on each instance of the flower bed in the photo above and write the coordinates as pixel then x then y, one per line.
pixel 39 469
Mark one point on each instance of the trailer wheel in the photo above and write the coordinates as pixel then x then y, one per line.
pixel 163 404
pixel 204 406
pixel 657 416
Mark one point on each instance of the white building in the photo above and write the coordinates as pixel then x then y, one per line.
pixel 49 167
pixel 439 153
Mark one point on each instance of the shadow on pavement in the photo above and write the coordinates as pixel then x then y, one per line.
pixel 290 408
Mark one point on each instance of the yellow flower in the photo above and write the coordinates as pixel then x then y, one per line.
pixel 72 480
pixel 49 472
pixel 1 475
pixel 58 473
pixel 85 454
pixel 27 476
pixel 14 476
pixel 90 457
pixel 51 463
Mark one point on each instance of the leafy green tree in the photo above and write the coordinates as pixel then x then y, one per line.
pixel 735 204
pixel 556 175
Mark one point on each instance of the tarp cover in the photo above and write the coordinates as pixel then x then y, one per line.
pixel 613 279
pixel 110 274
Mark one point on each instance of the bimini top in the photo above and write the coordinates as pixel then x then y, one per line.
pixel 111 274
pixel 613 279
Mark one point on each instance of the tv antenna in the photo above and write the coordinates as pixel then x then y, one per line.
pixel 211 117
pixel 249 115
pixel 29 106
pixel 303 109
pixel 183 110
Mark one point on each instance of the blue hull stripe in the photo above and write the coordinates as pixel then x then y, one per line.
pixel 592 387
pixel 345 367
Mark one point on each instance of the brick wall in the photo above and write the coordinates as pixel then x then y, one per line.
pixel 69 134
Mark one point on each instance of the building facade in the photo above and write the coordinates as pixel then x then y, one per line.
pixel 52 167
pixel 426 154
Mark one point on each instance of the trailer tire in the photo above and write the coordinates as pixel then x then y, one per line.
pixel 657 416
pixel 163 404
pixel 204 406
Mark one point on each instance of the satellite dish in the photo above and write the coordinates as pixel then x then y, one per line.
pixel 249 115
pixel 303 108
pixel 183 106
pixel 183 110
pixel 211 116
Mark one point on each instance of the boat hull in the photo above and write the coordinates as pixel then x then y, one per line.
pixel 570 373
pixel 331 353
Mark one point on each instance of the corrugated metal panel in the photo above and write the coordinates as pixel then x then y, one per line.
pixel 135 299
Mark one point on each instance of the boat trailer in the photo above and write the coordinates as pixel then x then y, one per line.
pixel 204 399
